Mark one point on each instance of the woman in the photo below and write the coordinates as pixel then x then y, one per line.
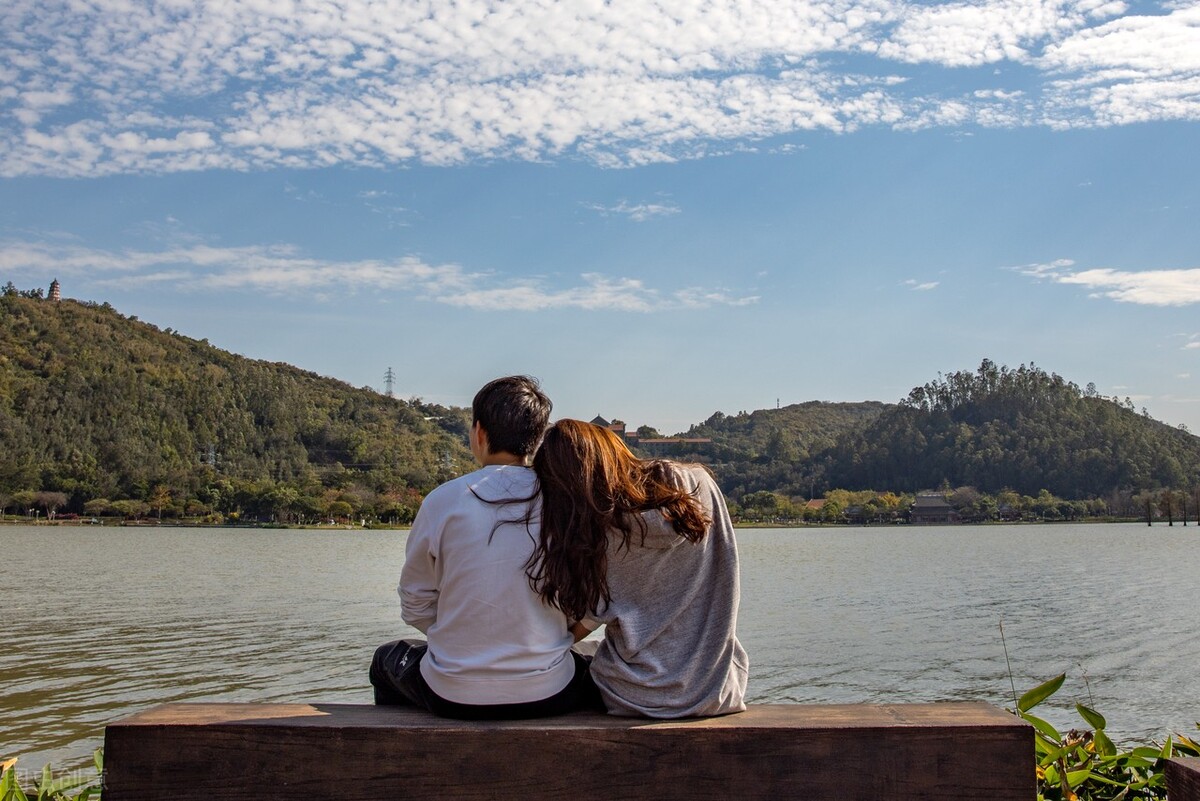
pixel 645 547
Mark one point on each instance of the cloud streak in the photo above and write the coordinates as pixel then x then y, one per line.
pixel 283 270
pixel 112 87
pixel 1146 287
pixel 637 212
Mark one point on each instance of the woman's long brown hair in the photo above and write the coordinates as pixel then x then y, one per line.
pixel 592 488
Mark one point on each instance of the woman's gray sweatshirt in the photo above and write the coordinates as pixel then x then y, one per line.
pixel 671 647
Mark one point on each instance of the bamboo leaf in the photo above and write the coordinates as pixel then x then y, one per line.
pixel 1188 744
pixel 1077 777
pixel 1043 727
pixel 1093 718
pixel 1167 750
pixel 66 783
pixel 1094 776
pixel 1040 693
pixel 1055 756
pixel 1104 746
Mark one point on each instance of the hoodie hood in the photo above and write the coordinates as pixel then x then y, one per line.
pixel 500 483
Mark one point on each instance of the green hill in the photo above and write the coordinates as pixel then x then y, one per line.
pixel 776 449
pixel 95 405
pixel 1022 429
pixel 101 413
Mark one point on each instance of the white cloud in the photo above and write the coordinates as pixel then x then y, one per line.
pixel 1146 287
pixel 921 286
pixel 638 212
pixel 1133 69
pixel 284 270
pixel 110 86
pixel 972 34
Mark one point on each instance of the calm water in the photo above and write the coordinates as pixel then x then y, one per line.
pixel 102 622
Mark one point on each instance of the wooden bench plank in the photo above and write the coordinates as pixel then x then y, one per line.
pixel 1183 779
pixel 318 751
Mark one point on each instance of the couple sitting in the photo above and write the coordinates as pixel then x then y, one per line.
pixel 508 566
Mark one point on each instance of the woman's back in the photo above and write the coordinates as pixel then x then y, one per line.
pixel 670 647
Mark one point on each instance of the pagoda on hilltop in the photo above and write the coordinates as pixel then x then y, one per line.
pixel 54 294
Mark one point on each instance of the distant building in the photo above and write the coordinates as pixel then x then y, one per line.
pixel 54 293
pixel 931 507
pixel 616 426
pixel 658 445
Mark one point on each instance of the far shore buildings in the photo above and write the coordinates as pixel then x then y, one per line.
pixel 655 445
pixel 931 507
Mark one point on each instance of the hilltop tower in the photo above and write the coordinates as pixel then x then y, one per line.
pixel 54 293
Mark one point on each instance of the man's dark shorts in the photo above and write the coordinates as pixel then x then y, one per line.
pixel 396 677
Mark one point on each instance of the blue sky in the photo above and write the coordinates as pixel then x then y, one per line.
pixel 660 209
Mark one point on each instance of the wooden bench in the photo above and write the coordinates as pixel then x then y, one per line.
pixel 1183 779
pixel 327 751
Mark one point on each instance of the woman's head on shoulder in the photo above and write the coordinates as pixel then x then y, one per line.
pixel 594 490
pixel 575 455
pixel 590 466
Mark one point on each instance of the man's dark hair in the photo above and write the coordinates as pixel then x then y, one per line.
pixel 514 412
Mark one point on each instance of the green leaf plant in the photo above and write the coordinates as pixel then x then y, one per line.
pixel 47 788
pixel 1084 764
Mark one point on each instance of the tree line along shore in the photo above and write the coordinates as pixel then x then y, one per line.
pixel 104 416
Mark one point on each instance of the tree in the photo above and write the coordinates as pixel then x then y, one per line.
pixel 130 508
pixel 780 448
pixel 97 507
pixel 285 500
pixel 50 501
pixel 160 498
pixel 758 505
pixel 24 501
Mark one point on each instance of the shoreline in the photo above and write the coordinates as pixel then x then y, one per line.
pixel 746 524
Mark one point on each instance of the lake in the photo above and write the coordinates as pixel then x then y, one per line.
pixel 100 622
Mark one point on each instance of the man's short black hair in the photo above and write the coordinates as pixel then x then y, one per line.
pixel 514 412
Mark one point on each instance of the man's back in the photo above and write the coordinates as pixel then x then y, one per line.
pixel 491 638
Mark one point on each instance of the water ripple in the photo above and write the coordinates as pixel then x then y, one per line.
pixel 102 623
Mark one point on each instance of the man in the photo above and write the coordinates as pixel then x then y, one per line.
pixel 495 650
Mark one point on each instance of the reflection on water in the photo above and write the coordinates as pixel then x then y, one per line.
pixel 102 622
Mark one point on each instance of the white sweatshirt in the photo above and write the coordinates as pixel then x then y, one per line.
pixel 491 638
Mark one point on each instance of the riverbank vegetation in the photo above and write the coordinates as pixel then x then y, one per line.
pixel 74 786
pixel 967 505
pixel 104 416
pixel 1085 765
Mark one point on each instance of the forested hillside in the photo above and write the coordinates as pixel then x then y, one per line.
pixel 1021 429
pixel 95 406
pixel 104 414
pixel 776 449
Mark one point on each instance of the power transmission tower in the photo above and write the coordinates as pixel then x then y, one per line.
pixel 389 382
